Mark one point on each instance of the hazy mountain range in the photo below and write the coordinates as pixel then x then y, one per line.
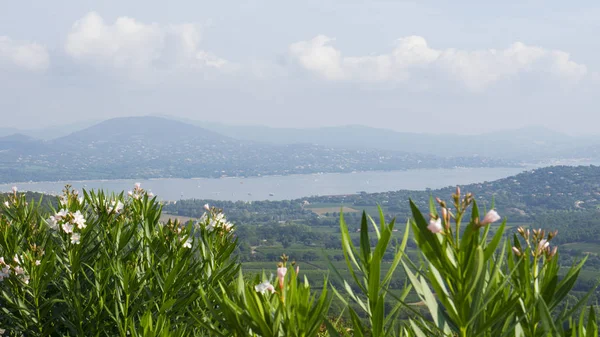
pixel 153 147
pixel 528 144
pixel 525 144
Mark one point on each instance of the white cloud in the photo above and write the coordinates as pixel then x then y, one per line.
pixel 25 55
pixel 476 69
pixel 130 44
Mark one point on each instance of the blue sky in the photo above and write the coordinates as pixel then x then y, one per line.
pixel 444 66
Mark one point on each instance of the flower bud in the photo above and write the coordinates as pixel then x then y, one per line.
pixel 516 251
pixel 281 271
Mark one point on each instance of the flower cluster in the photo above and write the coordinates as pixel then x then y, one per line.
pixel 178 230
pixel 539 243
pixel 138 192
pixel 12 198
pixel 214 220
pixel 436 222
pixel 68 222
pixel 68 195
pixel 16 269
pixel 114 206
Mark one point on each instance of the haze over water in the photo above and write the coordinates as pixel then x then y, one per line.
pixel 285 187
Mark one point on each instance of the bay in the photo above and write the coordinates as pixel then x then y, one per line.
pixel 285 187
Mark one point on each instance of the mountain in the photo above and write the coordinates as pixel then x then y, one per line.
pixel 48 133
pixel 18 144
pixel 154 147
pixel 525 144
pixel 8 131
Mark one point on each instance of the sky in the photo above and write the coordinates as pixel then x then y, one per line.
pixel 425 66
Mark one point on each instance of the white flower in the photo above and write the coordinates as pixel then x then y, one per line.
pixel 188 243
pixel 227 226
pixel 435 225
pixel 38 262
pixel 203 217
pixel 26 279
pixel 79 220
pixel 211 226
pixel 19 271
pixel 264 287
pixel 15 189
pixel 75 238
pixel 5 272
pixel 130 193
pixel 52 222
pixel 2 260
pixel 115 206
pixel 61 214
pixel 80 200
pixel 138 186
pixel 206 207
pixel 16 259
pixel 150 195
pixel 491 216
pixel 67 227
pixel 6 204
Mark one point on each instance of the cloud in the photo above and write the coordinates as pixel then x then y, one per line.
pixel 24 55
pixel 132 45
pixel 476 69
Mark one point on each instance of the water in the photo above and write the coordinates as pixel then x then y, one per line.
pixel 285 187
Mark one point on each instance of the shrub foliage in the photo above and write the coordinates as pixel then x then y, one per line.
pixel 105 265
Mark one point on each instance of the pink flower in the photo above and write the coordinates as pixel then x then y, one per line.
pixel 138 186
pixel 491 216
pixel 281 271
pixel 435 225
pixel 15 189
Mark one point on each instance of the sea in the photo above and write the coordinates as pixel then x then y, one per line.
pixel 285 187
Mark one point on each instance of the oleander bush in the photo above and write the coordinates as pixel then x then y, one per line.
pixel 105 265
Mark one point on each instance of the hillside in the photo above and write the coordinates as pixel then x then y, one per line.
pixel 154 147
pixel 558 197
